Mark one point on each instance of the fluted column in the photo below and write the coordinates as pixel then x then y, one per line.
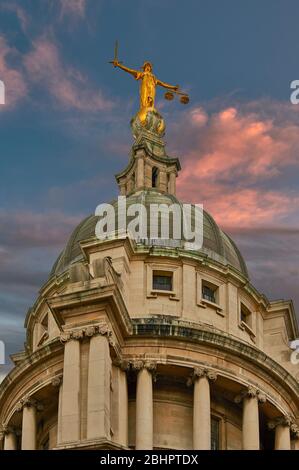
pixel 282 427
pixel 99 383
pixel 70 401
pixel 29 407
pixel 144 405
pixel 10 438
pixel 250 424
pixel 202 407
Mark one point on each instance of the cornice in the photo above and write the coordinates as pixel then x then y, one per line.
pixel 191 332
pixel 108 293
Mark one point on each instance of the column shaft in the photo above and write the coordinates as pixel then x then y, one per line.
pixel 10 441
pixel 250 427
pixel 99 391
pixel 144 410
pixel 29 428
pixel 70 402
pixel 123 408
pixel 282 437
pixel 202 414
pixel 59 419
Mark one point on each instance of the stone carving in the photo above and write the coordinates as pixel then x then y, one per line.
pixel 144 364
pixel 251 392
pixel 6 429
pixel 123 364
pixel 28 402
pixel 285 420
pixel 295 431
pixel 88 332
pixel 199 372
pixel 57 381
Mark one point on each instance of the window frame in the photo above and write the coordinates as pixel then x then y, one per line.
pixel 162 274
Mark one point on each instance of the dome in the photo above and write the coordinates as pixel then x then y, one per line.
pixel 217 245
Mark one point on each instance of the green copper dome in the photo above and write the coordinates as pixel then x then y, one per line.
pixel 216 244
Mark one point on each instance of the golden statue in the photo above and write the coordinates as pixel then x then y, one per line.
pixel 148 86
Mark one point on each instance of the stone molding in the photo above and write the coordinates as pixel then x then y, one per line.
pixel 251 392
pixel 28 402
pixel 200 372
pixel 88 332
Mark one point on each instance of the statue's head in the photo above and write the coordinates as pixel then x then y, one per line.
pixel 147 67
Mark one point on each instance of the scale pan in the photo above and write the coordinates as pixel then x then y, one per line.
pixel 184 99
pixel 168 96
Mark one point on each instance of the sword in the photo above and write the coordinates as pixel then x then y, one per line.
pixel 115 54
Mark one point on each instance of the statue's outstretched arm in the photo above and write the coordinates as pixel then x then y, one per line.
pixel 126 69
pixel 166 85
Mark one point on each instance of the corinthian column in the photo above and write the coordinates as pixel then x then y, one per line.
pixel 29 407
pixel 282 427
pixel 202 408
pixel 144 405
pixel 99 383
pixel 250 425
pixel 10 438
pixel 70 399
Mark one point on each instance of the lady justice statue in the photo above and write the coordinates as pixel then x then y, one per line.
pixel 148 85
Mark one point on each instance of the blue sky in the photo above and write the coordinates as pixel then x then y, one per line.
pixel 64 131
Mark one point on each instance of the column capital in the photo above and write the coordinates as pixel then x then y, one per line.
pixel 285 420
pixel 71 335
pixel 88 332
pixel 6 429
pixel 294 431
pixel 144 364
pixel 251 392
pixel 29 402
pixel 200 372
pixel 57 380
pixel 123 364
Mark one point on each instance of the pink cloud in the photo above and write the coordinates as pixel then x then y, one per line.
pixel 230 144
pixel 15 85
pixel 241 207
pixel 230 156
pixel 67 85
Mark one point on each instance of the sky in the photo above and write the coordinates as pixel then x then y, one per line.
pixel 64 130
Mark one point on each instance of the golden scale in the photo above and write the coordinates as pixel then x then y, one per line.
pixel 169 95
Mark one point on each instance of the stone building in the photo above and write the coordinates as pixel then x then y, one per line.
pixel 151 345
